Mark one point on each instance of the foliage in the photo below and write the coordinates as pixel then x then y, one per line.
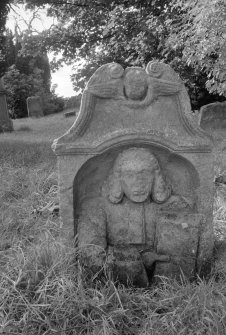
pixel 26 78
pixel 190 35
pixel 4 9
pixel 52 103
pixel 201 31
pixel 129 32
pixel 19 86
pixel 27 72
pixel 73 101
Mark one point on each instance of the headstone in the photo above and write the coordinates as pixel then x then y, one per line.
pixel 69 113
pixel 34 107
pixel 213 120
pixel 5 121
pixel 136 177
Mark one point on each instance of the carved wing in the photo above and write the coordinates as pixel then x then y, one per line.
pixel 163 87
pixel 106 81
pixel 106 89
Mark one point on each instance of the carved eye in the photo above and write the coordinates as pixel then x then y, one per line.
pixel 155 69
pixel 116 70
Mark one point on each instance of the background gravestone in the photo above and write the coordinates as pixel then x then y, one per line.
pixel 213 120
pixel 70 113
pixel 34 107
pixel 143 112
pixel 5 121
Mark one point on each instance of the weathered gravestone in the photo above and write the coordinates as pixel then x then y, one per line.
pixel 213 120
pixel 69 113
pixel 5 121
pixel 34 107
pixel 136 177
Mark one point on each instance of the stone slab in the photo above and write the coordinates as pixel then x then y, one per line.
pixel 213 118
pixel 70 113
pixel 34 106
pixel 5 121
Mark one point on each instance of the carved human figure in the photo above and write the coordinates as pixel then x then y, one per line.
pixel 119 229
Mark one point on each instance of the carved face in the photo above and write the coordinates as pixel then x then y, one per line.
pixel 135 84
pixel 137 179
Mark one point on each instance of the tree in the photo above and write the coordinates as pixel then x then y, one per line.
pixel 4 9
pixel 25 75
pixel 19 86
pixel 27 70
pixel 28 55
pixel 201 31
pixel 131 32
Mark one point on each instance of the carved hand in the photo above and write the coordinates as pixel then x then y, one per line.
pixel 150 257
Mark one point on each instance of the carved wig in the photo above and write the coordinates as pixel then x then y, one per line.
pixel 160 190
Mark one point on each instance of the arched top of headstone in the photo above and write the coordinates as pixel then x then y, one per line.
pixel 129 104
pixel 212 119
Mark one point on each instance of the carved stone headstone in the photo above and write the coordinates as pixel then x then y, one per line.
pixel 213 120
pixel 5 121
pixel 136 177
pixel 34 107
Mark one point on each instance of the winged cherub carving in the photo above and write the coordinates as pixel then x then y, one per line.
pixel 134 86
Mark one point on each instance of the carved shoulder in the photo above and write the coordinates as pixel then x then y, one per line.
pixel 93 207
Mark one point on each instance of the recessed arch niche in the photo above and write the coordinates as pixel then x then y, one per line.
pixel 93 174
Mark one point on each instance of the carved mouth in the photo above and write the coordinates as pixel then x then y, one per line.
pixel 138 193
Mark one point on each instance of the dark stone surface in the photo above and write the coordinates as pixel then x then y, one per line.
pixel 70 113
pixel 5 121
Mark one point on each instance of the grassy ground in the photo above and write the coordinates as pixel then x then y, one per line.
pixel 41 289
pixel 38 130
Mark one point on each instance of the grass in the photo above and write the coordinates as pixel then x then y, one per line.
pixel 40 130
pixel 24 128
pixel 44 292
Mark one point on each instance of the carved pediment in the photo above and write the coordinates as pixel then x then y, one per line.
pixel 117 102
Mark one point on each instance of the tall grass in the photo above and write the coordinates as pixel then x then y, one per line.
pixel 22 154
pixel 44 291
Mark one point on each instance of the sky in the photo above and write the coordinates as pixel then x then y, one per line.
pixel 62 76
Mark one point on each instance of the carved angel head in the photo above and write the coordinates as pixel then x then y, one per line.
pixel 135 82
pixel 137 175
